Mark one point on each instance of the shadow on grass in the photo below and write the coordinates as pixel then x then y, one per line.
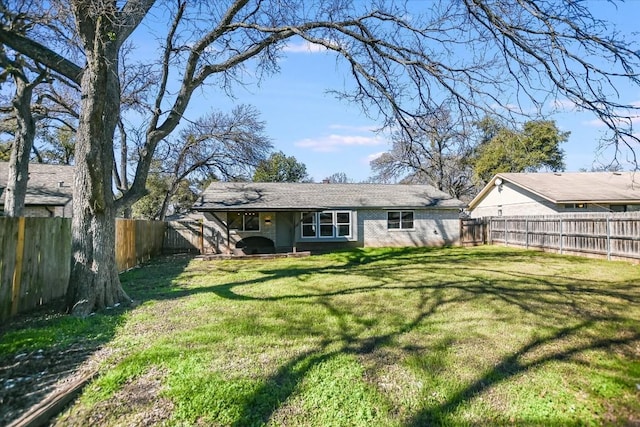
pixel 468 273
pixel 43 348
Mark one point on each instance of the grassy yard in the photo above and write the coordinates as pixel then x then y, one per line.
pixel 388 337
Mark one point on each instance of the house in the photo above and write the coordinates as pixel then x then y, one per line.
pixel 49 189
pixel 512 194
pixel 265 217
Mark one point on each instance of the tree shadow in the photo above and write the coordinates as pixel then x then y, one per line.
pixel 43 349
pixel 517 364
pixel 459 276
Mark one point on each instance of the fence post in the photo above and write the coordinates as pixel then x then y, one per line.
pixel 486 227
pixel 506 235
pixel 560 241
pixel 526 233
pixel 17 271
pixel 608 239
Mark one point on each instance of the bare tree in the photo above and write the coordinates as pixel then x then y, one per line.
pixel 25 129
pixel 403 58
pixel 433 150
pixel 35 100
pixel 337 178
pixel 26 76
pixel 228 146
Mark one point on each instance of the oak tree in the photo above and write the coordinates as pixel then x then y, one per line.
pixel 535 147
pixel 403 57
pixel 281 168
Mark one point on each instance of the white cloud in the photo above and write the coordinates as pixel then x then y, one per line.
pixel 634 119
pixel 371 157
pixel 304 47
pixel 332 143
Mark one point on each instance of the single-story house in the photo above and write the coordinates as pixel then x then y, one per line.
pixel 252 217
pixel 512 194
pixel 49 189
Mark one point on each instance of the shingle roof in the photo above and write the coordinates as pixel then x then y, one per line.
pixel 47 185
pixel 574 187
pixel 224 196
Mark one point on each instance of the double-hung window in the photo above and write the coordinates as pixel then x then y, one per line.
pixel 400 220
pixel 244 221
pixel 327 225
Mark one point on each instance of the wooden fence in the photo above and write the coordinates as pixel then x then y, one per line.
pixel 34 262
pixel 137 241
pixel 184 236
pixel 35 257
pixel 614 236
pixel 473 231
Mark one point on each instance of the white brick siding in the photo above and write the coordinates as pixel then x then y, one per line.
pixel 431 228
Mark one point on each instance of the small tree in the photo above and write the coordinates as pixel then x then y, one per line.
pixel 281 168
pixel 535 147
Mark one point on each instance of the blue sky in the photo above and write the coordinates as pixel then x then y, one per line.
pixel 331 136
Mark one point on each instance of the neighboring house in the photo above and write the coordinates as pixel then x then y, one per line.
pixel 512 194
pixel 263 217
pixel 49 189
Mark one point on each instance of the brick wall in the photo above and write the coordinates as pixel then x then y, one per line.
pixel 431 228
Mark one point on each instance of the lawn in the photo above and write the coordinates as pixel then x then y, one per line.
pixel 388 337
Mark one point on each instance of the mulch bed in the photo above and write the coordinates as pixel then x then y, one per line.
pixel 28 378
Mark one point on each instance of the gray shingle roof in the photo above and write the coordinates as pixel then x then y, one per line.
pixel 48 184
pixel 223 196
pixel 574 187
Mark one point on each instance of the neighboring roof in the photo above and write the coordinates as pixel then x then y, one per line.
pixel 573 187
pixel 275 196
pixel 48 184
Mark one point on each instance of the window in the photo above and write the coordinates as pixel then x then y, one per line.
pixel 575 206
pixel 618 208
pixel 309 224
pixel 327 225
pixel 244 221
pixel 399 220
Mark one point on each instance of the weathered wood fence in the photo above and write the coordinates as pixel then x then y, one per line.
pixel 35 257
pixel 34 262
pixel 473 231
pixel 184 236
pixel 614 236
pixel 137 241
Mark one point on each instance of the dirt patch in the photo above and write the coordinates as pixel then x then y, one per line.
pixel 138 403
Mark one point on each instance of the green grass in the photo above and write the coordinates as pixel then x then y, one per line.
pixel 392 337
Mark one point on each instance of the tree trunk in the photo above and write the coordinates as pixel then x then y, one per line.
pixel 23 142
pixel 94 282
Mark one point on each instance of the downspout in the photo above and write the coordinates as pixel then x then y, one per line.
pixel 293 232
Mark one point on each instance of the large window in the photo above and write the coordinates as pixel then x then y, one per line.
pixel 400 220
pixel 328 224
pixel 244 221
